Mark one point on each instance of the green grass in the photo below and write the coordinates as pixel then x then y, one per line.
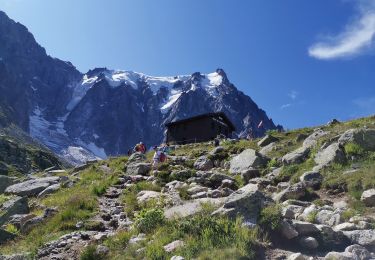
pixel 76 204
pixel 270 218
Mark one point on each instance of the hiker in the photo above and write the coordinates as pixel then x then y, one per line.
pixel 156 158
pixel 217 141
pixel 250 134
pixel 130 151
pixel 142 147
pixel 166 149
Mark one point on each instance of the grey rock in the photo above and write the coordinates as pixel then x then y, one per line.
pixel 312 139
pixel 49 190
pixel 308 243
pixel 138 168
pixel 177 257
pixel 364 238
pixel 173 246
pixel 268 148
pixel 295 191
pixel 311 179
pixel 102 250
pixel 267 140
pixel 331 238
pixel 245 202
pixel 365 138
pixel 353 252
pixel 148 195
pixel 15 205
pixel 334 153
pixel 217 150
pixel 191 207
pixel 296 256
pixel 199 195
pixel 203 164
pixel 287 230
pixel 368 197
pixel 305 228
pixel 32 187
pixel 247 175
pixel 196 189
pixel 247 160
pixel 296 156
pixel 217 179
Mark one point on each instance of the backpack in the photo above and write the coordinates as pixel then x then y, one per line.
pixel 162 157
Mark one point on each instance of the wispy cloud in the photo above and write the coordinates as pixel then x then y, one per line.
pixel 358 37
pixel 293 94
pixel 285 106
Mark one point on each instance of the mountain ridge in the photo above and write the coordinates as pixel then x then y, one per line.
pixel 105 112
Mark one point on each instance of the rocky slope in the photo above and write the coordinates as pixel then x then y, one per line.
pixel 304 194
pixel 104 112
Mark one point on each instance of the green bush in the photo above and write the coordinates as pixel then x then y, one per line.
pixel 270 217
pixel 99 189
pixel 12 229
pixel 353 149
pixel 149 219
pixel 89 253
pixel 311 217
pixel 273 163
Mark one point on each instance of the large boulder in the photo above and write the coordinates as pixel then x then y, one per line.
pixel 334 153
pixel 353 252
pixel 365 138
pixel 332 239
pixel 368 197
pixel 364 238
pixel 267 140
pixel 217 179
pixel 148 195
pixel 309 243
pixel 312 139
pixel 191 207
pixel 15 205
pixel 31 187
pixel 245 202
pixel 311 179
pixel 295 191
pixel 305 228
pixel 138 168
pixel 246 160
pixel 203 164
pixel 296 156
pixel 5 182
pixel 49 190
pixel 287 230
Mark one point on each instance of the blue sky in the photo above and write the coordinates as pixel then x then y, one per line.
pixel 304 62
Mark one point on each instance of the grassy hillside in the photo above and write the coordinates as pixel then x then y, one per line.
pixel 205 236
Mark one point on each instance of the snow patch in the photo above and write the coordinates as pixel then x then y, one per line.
pixel 172 99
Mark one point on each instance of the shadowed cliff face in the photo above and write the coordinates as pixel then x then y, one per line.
pixel 105 112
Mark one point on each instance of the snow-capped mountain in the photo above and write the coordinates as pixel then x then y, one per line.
pixel 105 112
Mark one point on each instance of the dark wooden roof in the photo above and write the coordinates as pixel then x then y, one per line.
pixel 215 115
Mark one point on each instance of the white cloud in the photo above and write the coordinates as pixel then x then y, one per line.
pixel 358 37
pixel 285 106
pixel 293 94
